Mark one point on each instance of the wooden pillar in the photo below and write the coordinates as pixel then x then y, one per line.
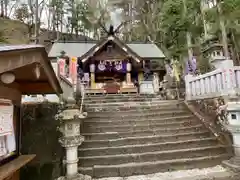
pixel 140 77
pixel 92 76
pixel 93 84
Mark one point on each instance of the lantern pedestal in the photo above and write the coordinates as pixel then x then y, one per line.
pixel 70 121
pixel 233 126
pixel 128 78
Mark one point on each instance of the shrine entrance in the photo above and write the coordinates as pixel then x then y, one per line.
pixel 108 67
pixel 112 81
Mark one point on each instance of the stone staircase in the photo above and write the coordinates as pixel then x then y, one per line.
pixel 129 135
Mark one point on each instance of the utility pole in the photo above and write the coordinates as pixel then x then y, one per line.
pixel 223 30
pixel 188 35
pixel 36 23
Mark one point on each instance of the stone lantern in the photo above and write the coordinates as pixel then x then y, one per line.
pixel 233 126
pixel 215 55
pixel 70 121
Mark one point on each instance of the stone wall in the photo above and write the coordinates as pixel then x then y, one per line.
pixel 40 137
pixel 212 113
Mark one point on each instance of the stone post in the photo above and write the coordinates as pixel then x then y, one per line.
pixel 188 88
pixel 70 120
pixel 156 83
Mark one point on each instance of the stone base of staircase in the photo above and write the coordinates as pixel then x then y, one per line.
pixel 214 173
pixel 233 164
pixel 127 135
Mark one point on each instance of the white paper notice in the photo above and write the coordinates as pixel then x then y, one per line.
pixel 6 119
pixel 3 150
pixel 7 135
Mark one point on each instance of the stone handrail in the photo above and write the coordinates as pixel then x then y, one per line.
pixel 80 91
pixel 67 87
pixel 220 82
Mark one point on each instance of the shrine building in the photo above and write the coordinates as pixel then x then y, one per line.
pixel 111 66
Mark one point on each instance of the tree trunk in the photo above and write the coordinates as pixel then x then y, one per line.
pixel 36 28
pixel 223 31
pixel 235 47
pixel 5 7
pixel 188 35
pixel 204 21
pixel 2 8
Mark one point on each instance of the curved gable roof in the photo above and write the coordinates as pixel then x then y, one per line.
pixel 78 49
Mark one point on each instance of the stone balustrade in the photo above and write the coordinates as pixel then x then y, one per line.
pixel 220 82
pixel 214 98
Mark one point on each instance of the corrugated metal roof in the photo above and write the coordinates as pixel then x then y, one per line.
pixel 71 49
pixel 147 50
pixel 4 48
pixel 79 49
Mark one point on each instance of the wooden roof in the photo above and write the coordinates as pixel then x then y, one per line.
pixel 22 61
pixel 104 41
pixel 79 49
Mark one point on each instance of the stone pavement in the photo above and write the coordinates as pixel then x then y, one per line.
pixel 213 173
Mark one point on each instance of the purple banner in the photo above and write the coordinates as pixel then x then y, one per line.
pixel 191 66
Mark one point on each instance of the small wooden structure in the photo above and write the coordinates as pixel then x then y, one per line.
pixel 110 65
pixel 24 69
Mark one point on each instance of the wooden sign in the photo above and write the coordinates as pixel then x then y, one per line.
pixel 6 117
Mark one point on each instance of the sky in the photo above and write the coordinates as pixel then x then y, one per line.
pixel 115 14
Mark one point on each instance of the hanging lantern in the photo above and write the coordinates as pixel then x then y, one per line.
pixel 118 66
pixel 92 68
pixel 101 66
pixel 129 67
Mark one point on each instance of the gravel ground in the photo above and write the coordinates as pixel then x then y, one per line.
pixel 194 174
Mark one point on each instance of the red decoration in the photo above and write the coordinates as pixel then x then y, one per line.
pixel 73 69
pixel 61 67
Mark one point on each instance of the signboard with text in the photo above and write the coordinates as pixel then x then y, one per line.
pixel 7 134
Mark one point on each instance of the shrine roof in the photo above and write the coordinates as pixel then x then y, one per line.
pixel 78 49
pixel 31 67
pixel 7 47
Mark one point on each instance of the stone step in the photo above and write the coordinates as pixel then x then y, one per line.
pixel 145 139
pixel 110 96
pixel 89 161
pixel 141 148
pixel 140 120
pixel 121 99
pixel 133 104
pixel 125 111
pixel 148 132
pixel 167 113
pixel 150 167
pixel 130 109
pixel 125 127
